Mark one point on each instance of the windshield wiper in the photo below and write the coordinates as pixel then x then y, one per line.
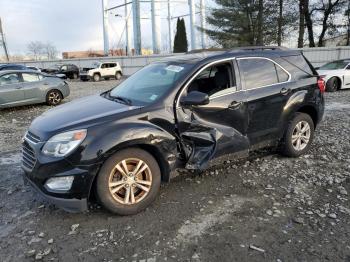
pixel 124 100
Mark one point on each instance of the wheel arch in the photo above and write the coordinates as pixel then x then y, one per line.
pixel 311 111
pixel 337 77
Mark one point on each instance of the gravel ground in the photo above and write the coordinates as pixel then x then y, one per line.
pixel 264 208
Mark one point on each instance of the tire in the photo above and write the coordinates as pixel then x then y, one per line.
pixel 115 202
pixel 54 97
pixel 289 145
pixel 333 84
pixel 97 77
pixel 118 75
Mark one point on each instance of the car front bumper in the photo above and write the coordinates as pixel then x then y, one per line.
pixel 39 168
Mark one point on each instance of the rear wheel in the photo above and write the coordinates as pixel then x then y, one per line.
pixel 298 136
pixel 97 77
pixel 54 97
pixel 128 182
pixel 118 75
pixel 333 84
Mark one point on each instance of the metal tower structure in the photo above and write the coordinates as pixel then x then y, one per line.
pixel 127 27
pixel 192 8
pixel 156 30
pixel 105 27
pixel 203 25
pixel 136 26
pixel 3 42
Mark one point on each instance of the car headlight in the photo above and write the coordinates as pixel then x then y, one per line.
pixel 64 143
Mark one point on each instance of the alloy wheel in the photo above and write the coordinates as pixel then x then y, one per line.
pixel 301 135
pixel 54 98
pixel 130 181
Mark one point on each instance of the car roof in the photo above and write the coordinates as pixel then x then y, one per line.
pixel 3 72
pixel 197 56
pixel 5 65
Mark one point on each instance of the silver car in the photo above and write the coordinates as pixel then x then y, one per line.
pixel 24 87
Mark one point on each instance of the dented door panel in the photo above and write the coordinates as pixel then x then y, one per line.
pixel 209 131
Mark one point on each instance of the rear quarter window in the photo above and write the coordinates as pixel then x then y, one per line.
pixel 298 66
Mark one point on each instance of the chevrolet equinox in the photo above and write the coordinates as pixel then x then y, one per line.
pixel 186 111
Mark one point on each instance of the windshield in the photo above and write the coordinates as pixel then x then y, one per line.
pixel 334 65
pixel 149 84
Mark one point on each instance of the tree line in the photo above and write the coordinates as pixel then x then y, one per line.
pixel 263 22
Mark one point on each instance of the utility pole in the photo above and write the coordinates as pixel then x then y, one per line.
pixel 105 27
pixel 192 23
pixel 156 30
pixel 3 42
pixel 348 13
pixel 169 28
pixel 202 12
pixel 127 27
pixel 136 26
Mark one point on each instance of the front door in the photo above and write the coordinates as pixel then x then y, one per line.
pixel 11 92
pixel 219 127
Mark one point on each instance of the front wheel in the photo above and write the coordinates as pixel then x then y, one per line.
pixel 97 77
pixel 298 136
pixel 128 182
pixel 54 97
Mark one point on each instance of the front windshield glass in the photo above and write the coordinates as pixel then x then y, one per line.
pixel 334 65
pixel 149 84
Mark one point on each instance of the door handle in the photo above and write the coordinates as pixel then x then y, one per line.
pixel 285 91
pixel 235 105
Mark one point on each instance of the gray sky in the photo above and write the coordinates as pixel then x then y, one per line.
pixel 71 24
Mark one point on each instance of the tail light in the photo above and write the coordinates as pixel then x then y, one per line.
pixel 321 84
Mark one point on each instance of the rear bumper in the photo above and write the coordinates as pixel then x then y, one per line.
pixel 73 205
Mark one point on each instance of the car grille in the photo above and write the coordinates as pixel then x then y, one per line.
pixel 34 138
pixel 28 156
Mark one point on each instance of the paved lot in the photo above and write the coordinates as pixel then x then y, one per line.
pixel 265 208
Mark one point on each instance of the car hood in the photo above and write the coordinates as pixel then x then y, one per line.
pixel 80 113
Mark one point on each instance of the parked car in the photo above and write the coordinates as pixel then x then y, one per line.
pixel 63 71
pixel 34 68
pixel 25 87
pixel 12 67
pixel 187 111
pixel 336 74
pixel 101 70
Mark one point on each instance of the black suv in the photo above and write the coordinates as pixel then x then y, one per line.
pixel 64 71
pixel 186 111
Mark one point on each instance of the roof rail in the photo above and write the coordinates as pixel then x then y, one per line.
pixel 261 48
pixel 195 51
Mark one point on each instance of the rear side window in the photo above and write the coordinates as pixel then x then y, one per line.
pixel 257 72
pixel 30 77
pixel 112 65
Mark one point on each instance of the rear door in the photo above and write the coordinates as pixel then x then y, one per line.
pixel 11 92
pixel 33 87
pixel 209 131
pixel 268 89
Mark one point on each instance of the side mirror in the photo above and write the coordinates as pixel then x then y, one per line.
pixel 195 98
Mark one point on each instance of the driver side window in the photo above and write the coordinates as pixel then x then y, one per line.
pixel 215 80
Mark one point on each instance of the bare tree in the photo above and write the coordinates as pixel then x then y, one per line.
pixel 321 11
pixel 50 51
pixel 35 49
pixel 301 23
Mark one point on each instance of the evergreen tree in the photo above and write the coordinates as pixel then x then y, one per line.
pixel 250 22
pixel 180 40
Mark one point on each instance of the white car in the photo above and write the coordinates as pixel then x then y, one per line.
pixel 336 75
pixel 102 70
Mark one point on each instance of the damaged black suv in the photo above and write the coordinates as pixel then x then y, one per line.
pixel 185 111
